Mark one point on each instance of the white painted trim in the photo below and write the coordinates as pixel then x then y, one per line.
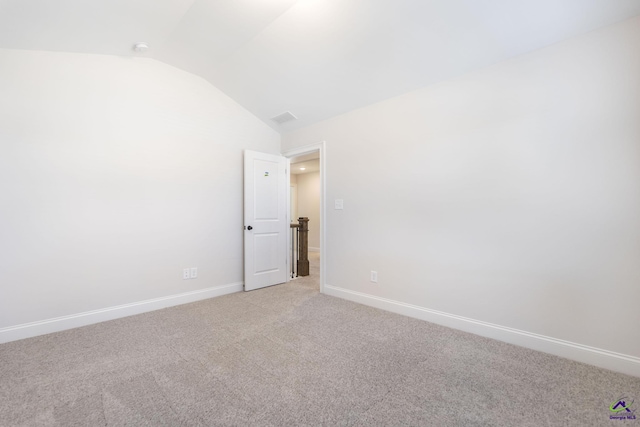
pixel 289 231
pixel 322 148
pixel 606 359
pixel 311 249
pixel 28 330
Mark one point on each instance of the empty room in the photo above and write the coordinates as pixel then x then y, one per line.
pixel 319 212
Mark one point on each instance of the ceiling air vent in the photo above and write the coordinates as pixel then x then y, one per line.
pixel 284 117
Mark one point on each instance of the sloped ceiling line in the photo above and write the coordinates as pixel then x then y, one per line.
pixel 315 58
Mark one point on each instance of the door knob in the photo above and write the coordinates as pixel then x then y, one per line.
pixel 249 228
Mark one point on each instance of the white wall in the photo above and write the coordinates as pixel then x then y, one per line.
pixel 115 174
pixel 510 195
pixel 309 204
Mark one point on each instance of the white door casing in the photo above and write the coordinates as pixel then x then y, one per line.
pixel 266 232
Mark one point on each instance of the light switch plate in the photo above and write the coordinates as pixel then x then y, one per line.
pixel 339 204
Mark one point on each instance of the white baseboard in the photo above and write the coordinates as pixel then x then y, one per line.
pixel 606 359
pixel 28 330
pixel 313 249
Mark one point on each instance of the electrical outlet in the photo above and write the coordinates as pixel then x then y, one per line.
pixel 194 272
pixel 186 274
pixel 374 276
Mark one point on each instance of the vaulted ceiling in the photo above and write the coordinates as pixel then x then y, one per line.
pixel 315 58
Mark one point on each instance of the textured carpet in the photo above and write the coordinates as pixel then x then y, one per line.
pixel 287 355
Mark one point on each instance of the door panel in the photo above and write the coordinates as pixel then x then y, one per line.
pixel 265 219
pixel 265 249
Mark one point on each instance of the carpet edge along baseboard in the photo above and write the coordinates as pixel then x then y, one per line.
pixel 62 323
pixel 602 358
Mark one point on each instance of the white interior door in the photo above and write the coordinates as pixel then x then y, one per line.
pixel 266 226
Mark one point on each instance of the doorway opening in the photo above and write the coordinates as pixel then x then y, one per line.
pixel 307 200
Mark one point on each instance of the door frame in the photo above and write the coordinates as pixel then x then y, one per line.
pixel 321 147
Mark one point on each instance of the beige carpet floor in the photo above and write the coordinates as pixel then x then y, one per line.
pixel 287 355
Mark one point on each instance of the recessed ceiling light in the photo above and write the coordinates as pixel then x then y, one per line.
pixel 302 169
pixel 140 47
